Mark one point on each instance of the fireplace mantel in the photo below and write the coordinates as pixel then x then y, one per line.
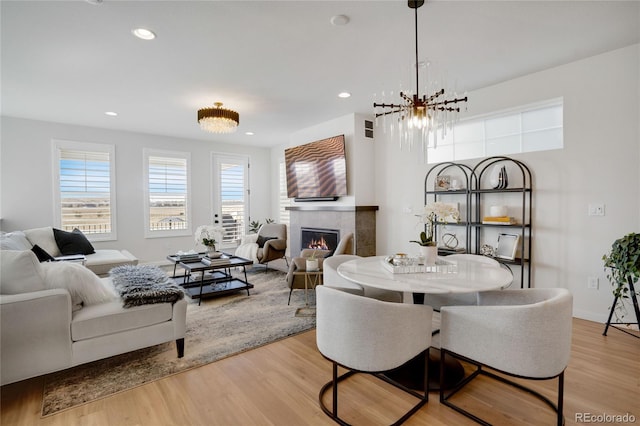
pixel 361 220
pixel 332 208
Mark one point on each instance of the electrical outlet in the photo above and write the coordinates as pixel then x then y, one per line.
pixel 593 283
pixel 596 210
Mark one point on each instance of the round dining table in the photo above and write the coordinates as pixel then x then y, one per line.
pixel 446 276
pixel 462 275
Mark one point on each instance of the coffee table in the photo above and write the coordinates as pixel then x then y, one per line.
pixel 215 279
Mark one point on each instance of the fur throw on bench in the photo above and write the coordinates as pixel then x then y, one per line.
pixel 144 284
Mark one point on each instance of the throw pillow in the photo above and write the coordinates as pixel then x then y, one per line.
pixel 41 254
pixel 44 238
pixel 15 240
pixel 72 242
pixel 21 272
pixel 262 240
pixel 84 286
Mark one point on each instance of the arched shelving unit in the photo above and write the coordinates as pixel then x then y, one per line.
pixel 477 190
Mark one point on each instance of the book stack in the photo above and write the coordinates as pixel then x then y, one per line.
pixel 222 260
pixel 498 220
pixel 188 257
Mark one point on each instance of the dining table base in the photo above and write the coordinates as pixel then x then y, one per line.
pixel 411 373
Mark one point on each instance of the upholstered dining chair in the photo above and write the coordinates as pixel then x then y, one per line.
pixel 436 301
pixel 332 279
pixel 371 336
pixel 524 333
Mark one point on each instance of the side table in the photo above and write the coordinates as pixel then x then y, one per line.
pixel 311 280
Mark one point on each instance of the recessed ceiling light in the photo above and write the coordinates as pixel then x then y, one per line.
pixel 143 33
pixel 344 95
pixel 111 113
pixel 339 20
pixel 249 133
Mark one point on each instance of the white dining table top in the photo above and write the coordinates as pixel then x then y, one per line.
pixel 464 276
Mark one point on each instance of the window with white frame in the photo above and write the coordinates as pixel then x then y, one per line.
pixel 167 200
pixel 84 188
pixel 528 128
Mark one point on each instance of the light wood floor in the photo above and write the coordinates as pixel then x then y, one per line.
pixel 278 384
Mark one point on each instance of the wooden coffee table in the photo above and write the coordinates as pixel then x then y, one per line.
pixel 215 279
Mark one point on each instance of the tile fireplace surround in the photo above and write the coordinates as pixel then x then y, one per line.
pixel 361 220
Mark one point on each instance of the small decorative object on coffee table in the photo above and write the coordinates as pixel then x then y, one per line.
pixel 209 236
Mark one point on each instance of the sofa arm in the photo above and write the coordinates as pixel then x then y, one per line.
pixel 35 334
pixel 180 318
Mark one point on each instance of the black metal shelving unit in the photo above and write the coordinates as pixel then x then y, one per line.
pixel 522 194
pixel 475 192
pixel 457 171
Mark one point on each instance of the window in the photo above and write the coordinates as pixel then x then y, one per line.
pixel 84 188
pixel 528 128
pixel 167 200
pixel 230 203
pixel 284 201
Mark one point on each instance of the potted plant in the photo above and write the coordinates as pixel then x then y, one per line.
pixel 312 262
pixel 437 212
pixel 206 235
pixel 623 262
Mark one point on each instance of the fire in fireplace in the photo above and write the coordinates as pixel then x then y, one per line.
pixel 319 239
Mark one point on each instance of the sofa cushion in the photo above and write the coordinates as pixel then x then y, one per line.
pixel 41 254
pixel 111 317
pixel 21 272
pixel 44 238
pixel 85 287
pixel 74 242
pixel 103 260
pixel 16 240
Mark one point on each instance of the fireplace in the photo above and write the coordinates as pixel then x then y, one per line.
pixel 319 238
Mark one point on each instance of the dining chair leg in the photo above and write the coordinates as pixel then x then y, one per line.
pixel 335 389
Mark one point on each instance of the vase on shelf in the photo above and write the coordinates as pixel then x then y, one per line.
pixel 430 254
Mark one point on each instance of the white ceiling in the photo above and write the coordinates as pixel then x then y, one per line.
pixel 280 64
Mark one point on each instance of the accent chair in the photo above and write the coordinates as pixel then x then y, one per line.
pixel 524 333
pixel 370 336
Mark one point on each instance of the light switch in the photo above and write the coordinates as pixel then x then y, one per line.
pixel 596 210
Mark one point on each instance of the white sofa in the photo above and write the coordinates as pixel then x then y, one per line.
pixel 46 328
pixel 100 262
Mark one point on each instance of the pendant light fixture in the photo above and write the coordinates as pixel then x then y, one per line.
pixel 418 114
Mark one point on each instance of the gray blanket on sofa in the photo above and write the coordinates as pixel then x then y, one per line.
pixel 144 284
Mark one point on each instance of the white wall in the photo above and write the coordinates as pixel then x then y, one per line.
pixel 599 164
pixel 26 199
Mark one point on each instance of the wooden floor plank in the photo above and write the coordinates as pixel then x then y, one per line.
pixel 278 384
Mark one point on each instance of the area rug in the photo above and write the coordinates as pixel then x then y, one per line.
pixel 216 329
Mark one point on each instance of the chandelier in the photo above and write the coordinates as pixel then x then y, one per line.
pixel 415 114
pixel 218 119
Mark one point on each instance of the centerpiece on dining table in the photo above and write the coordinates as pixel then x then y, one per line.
pixel 434 213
